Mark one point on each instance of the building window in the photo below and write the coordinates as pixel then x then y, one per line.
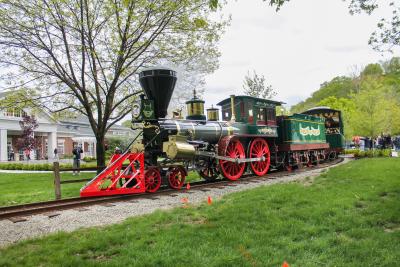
pixel 60 147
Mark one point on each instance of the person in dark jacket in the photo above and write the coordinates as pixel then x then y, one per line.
pixel 77 151
pixel 56 158
pixel 396 143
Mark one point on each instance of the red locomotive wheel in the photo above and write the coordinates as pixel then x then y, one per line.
pixel 152 179
pixel 176 177
pixel 259 148
pixel 232 170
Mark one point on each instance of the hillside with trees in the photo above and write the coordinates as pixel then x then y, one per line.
pixel 370 100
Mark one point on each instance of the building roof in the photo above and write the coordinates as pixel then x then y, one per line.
pixel 81 126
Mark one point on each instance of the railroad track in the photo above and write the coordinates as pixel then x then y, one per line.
pixel 19 212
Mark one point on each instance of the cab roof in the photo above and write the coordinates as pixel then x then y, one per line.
pixel 239 97
pixel 322 108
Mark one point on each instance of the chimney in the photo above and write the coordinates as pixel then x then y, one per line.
pixel 158 84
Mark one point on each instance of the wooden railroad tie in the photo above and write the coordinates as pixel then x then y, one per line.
pixel 17 219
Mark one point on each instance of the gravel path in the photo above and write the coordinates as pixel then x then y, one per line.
pixel 70 220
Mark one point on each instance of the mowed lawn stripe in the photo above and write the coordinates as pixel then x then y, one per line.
pixel 349 216
pixel 20 188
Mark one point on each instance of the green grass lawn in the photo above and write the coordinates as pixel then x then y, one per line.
pixel 18 188
pixel 349 216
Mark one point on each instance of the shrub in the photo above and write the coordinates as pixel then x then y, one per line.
pixel 11 166
pixel 25 167
pixel 89 159
pixel 369 153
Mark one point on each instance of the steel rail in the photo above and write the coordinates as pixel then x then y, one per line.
pixel 22 210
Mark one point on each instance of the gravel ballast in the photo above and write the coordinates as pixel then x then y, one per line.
pixel 97 215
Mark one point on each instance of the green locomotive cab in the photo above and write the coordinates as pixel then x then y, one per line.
pixel 255 116
pixel 333 125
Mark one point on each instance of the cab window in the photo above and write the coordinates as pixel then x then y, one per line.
pixel 271 116
pixel 261 118
pixel 226 112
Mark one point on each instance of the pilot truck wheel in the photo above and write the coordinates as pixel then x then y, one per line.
pixel 152 179
pixel 176 177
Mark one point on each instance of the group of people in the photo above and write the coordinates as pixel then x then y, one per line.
pixel 26 155
pixel 381 142
pixel 387 142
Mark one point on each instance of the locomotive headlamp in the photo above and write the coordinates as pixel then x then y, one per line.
pixel 212 114
pixel 195 108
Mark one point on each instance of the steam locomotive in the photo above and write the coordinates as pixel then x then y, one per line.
pixel 250 137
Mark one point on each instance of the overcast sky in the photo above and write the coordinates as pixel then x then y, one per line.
pixel 298 48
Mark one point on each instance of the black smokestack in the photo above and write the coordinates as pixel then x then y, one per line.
pixel 158 84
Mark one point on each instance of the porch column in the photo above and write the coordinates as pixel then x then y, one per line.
pixel 51 144
pixel 3 145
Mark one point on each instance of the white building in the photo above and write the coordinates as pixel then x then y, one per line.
pixel 51 134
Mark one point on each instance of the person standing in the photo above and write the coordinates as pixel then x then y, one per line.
pixel 77 151
pixel 56 158
pixel 27 153
pixel 396 143
pixel 12 155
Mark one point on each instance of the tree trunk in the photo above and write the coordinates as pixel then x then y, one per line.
pixel 100 153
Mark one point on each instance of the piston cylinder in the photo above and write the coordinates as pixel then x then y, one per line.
pixel 178 148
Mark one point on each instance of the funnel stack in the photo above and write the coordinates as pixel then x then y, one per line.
pixel 158 84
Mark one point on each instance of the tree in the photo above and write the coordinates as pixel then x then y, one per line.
pixel 388 34
pixel 83 56
pixel 127 123
pixel 392 66
pixel 376 112
pixel 189 79
pixel 282 111
pixel 27 139
pixel 255 85
pixel 338 87
pixel 114 142
pixel 372 70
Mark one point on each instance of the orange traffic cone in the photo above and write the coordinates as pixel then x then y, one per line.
pixel 188 186
pixel 185 202
pixel 209 200
pixel 285 264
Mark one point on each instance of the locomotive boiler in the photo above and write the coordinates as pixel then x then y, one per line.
pixel 250 138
